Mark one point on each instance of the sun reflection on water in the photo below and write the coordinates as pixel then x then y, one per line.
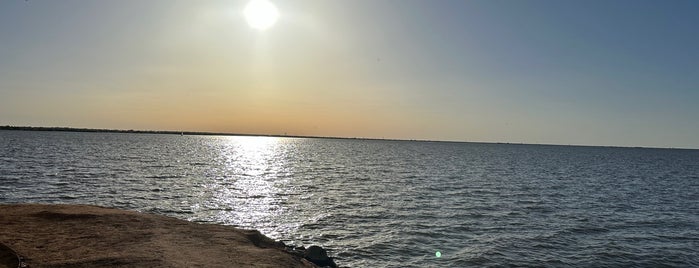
pixel 249 186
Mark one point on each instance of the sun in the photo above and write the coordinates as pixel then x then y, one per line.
pixel 261 14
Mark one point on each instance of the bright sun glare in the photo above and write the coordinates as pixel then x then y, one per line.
pixel 261 14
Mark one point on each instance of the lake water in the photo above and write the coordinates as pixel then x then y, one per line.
pixel 385 203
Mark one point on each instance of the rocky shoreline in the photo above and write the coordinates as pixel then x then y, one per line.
pixel 41 235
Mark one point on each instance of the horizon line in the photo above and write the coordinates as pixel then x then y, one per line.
pixel 210 133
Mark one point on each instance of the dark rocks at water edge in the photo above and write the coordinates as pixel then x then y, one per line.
pixel 319 256
pixel 315 254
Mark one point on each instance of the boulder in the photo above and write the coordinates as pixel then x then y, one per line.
pixel 9 258
pixel 319 256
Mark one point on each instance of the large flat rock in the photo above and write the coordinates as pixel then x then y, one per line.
pixel 90 236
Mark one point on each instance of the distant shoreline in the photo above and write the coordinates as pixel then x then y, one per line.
pixel 170 132
pixel 205 133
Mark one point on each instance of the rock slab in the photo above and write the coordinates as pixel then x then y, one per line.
pixel 89 236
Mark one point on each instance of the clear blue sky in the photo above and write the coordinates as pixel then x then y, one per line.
pixel 566 72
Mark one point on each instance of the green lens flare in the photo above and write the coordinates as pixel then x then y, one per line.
pixel 438 254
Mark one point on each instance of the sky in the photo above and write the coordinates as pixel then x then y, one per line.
pixel 620 73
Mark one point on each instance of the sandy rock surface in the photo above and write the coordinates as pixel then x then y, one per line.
pixel 89 236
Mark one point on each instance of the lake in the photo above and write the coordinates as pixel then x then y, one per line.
pixel 380 203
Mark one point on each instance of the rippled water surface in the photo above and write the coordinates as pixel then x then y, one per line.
pixel 385 203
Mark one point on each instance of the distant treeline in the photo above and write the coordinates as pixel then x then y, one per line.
pixel 172 132
pixel 72 129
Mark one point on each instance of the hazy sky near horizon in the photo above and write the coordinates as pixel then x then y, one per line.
pixel 594 72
